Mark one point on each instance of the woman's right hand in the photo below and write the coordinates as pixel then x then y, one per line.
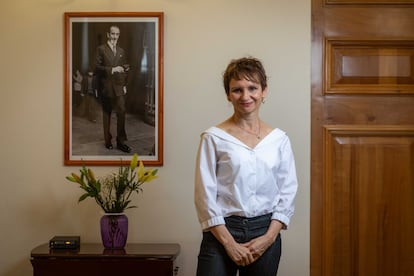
pixel 239 253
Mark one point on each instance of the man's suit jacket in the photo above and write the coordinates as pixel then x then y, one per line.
pixel 110 85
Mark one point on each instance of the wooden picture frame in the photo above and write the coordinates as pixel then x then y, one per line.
pixel 95 92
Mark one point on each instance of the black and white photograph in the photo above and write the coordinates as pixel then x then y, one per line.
pixel 113 87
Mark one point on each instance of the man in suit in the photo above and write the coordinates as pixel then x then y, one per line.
pixel 112 73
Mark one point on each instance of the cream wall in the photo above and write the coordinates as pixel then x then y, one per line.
pixel 200 38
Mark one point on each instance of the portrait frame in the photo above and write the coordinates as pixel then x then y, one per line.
pixel 88 94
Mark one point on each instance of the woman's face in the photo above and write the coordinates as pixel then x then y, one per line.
pixel 245 95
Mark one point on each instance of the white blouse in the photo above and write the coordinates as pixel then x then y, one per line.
pixel 234 179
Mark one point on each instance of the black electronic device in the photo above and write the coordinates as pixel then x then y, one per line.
pixel 64 242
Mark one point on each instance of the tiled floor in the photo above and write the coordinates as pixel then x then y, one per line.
pixel 87 136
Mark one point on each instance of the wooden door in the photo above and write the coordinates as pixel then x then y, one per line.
pixel 362 132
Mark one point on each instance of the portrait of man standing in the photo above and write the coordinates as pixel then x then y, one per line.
pixel 112 68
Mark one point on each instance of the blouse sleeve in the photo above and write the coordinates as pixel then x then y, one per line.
pixel 205 189
pixel 287 183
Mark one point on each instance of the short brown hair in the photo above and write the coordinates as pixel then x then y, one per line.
pixel 248 68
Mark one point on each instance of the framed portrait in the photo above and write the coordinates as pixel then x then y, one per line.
pixel 113 87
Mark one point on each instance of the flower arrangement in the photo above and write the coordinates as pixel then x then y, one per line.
pixel 113 192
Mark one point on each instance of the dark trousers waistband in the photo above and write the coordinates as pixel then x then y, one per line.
pixel 259 221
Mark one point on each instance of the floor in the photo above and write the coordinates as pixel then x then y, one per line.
pixel 87 136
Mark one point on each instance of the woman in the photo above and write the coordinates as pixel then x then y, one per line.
pixel 245 182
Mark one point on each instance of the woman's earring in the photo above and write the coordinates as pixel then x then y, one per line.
pixel 263 100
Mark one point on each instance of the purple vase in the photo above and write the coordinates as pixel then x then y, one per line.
pixel 114 230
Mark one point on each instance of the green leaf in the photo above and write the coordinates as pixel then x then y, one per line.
pixel 82 197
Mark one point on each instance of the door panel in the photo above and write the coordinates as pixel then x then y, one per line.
pixel 368 199
pixel 369 66
pixel 362 131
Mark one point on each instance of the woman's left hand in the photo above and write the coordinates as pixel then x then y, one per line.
pixel 260 244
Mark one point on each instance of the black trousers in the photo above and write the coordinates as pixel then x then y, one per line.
pixel 214 261
pixel 117 104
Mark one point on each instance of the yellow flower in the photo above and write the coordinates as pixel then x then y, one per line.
pixel 134 162
pixel 76 178
pixel 91 174
pixel 141 170
pixel 149 175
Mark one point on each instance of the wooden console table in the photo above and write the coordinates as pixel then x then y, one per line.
pixel 93 260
